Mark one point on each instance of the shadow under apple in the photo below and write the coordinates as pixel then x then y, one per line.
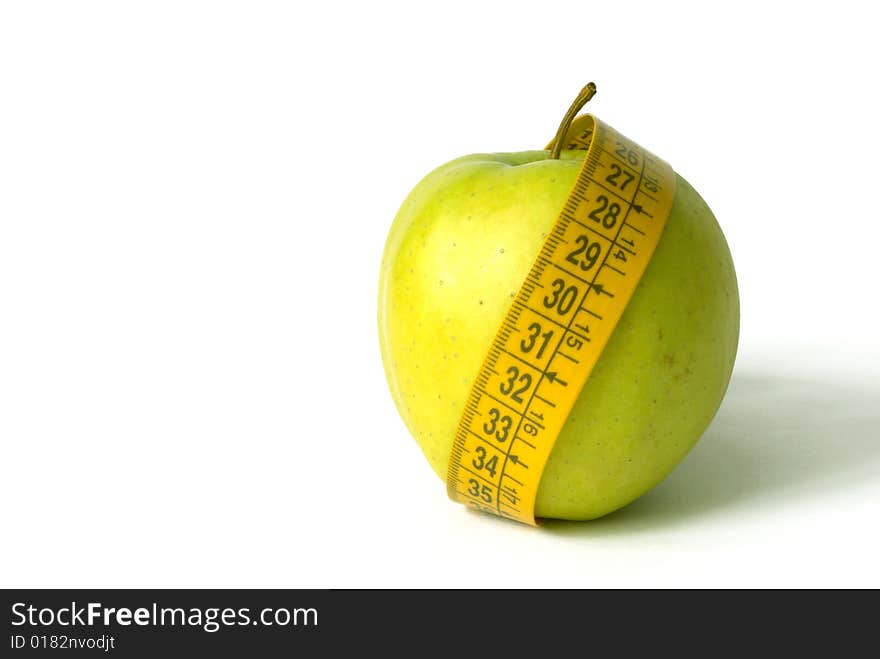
pixel 775 438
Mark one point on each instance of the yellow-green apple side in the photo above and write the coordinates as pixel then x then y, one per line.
pixel 457 253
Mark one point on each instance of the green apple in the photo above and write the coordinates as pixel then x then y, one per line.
pixel 458 251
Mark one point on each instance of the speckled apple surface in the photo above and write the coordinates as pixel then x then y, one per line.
pixel 456 255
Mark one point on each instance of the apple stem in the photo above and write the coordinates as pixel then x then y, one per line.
pixel 581 100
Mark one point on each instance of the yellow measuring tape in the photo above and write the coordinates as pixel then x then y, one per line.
pixel 560 321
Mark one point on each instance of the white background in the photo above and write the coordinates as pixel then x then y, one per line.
pixel 194 199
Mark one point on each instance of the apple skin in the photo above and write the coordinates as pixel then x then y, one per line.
pixel 458 251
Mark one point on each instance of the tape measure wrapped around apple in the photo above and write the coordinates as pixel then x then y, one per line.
pixel 558 327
